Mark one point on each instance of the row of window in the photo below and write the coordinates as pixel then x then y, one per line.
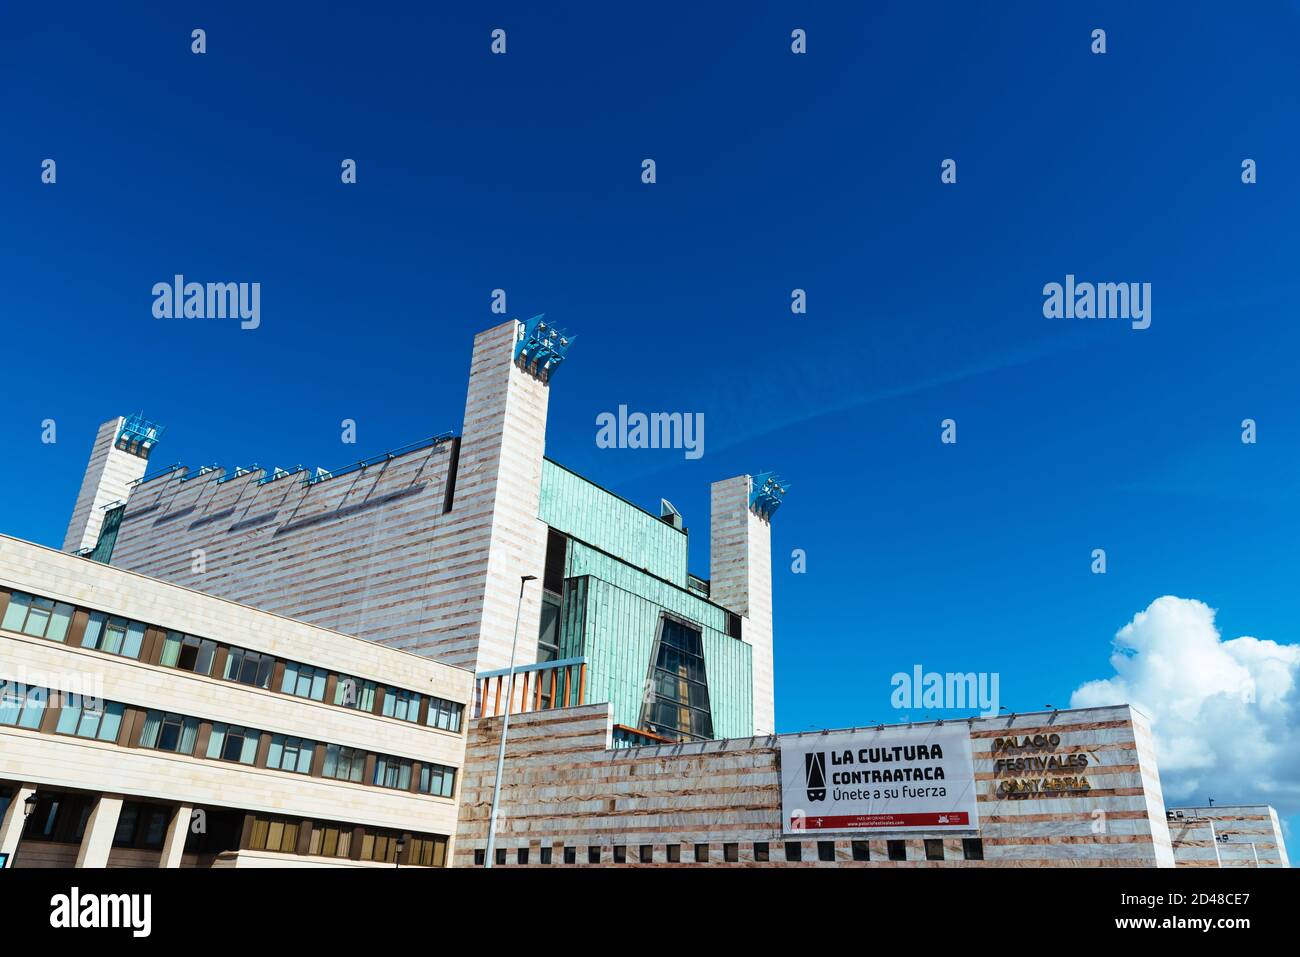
pixel 343 841
pixel 62 818
pixel 972 850
pixel 101 720
pixel 45 618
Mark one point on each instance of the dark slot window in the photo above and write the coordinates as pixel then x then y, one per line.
pixel 479 857
pixel 593 855
pixel 793 851
pixel 825 850
pixel 701 853
pixel 761 851
pixel 731 853
pixel 521 856
pixel 553 575
pixel 733 625
pixel 570 855
pixel 861 851
pixel 679 704
pixel 897 850
pixel 972 848
pixel 933 849
pixel 545 854
pixel 647 853
pixel 501 856
pixel 620 854
pixel 674 853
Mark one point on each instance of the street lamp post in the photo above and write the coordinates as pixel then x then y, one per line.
pixel 505 727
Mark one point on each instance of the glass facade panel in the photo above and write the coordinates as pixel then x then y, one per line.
pixel 680 706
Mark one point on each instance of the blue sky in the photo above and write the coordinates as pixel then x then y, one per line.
pixel 775 171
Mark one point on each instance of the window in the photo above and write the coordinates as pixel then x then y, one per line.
pixel 647 854
pixel 545 855
pixel 330 840
pixel 701 853
pixel 679 706
pixel 380 846
pixel 344 764
pixel 445 714
pixel 432 852
pixel 233 743
pixel 731 853
pixel 593 855
pixel 290 754
pixel 22 706
pixel 674 852
pixel 142 825
pixel 437 779
pixel 553 569
pixel 480 856
pixel 861 851
pixel 570 855
pixel 169 732
pixel 897 850
pixel 90 718
pixel 761 851
pixel 521 856
pixel 933 849
pixel 38 617
pixel 188 653
pixel 501 856
pixel 303 681
pixel 825 850
pixel 793 851
pixel 620 854
pixel 393 773
pixel 972 848
pixel 548 637
pixel 355 693
pixel 402 705
pixel 274 834
pixel 249 668
pixel 117 636
pixel 60 818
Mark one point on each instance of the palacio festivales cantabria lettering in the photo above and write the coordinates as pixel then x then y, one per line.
pixel 1027 766
pixel 896 779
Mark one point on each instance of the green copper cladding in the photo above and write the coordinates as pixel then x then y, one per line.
pixel 624 570
pixel 582 509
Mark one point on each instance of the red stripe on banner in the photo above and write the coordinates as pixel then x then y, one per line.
pixel 881 821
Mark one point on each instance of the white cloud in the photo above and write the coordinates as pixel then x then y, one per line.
pixel 1222 711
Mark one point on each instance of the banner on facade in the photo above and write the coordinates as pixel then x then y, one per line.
pixel 895 779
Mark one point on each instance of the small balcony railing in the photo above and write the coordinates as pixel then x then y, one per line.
pixel 539 687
